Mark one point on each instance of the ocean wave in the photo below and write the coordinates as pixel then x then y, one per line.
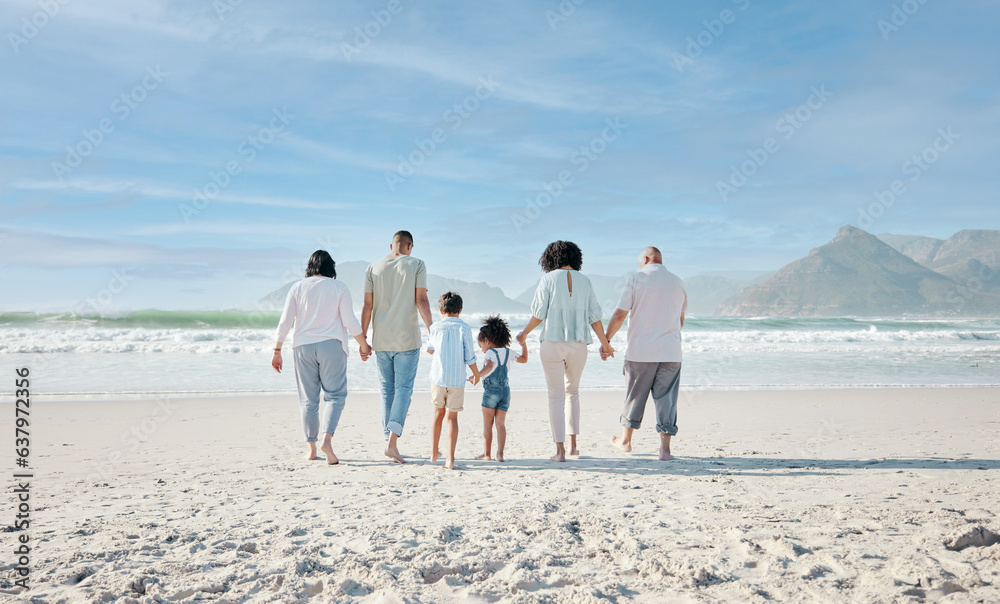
pixel 268 318
pixel 82 338
pixel 137 340
pixel 829 336
pixel 151 319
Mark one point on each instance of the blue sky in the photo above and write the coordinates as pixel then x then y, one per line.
pixel 446 118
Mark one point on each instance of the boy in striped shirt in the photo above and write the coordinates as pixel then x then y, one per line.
pixel 453 350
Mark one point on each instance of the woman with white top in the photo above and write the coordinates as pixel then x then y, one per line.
pixel 566 307
pixel 320 307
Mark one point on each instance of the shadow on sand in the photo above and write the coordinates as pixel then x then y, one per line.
pixel 762 465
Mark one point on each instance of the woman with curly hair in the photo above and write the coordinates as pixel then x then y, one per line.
pixel 566 307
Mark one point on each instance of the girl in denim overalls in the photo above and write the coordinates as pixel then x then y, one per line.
pixel 494 339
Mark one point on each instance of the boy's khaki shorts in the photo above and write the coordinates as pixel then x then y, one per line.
pixel 451 399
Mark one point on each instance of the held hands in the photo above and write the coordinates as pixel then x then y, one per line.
pixel 365 350
pixel 473 379
pixel 521 338
pixel 607 351
pixel 276 362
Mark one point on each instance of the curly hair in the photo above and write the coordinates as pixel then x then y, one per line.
pixel 561 253
pixel 450 303
pixel 320 263
pixel 495 331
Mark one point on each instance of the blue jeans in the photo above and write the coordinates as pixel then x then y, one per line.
pixel 396 372
pixel 321 368
pixel 496 398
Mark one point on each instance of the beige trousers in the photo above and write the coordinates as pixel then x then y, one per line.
pixel 563 364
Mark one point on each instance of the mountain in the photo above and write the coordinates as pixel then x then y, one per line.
pixel 526 296
pixel 478 297
pixel 920 249
pixel 970 257
pixel 857 274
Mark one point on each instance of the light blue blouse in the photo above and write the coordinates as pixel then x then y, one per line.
pixel 566 317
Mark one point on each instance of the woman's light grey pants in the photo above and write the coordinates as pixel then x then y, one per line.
pixel 321 368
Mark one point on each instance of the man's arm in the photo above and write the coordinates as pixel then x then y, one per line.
pixel 606 350
pixel 366 313
pixel 424 307
pixel 616 322
pixel 684 309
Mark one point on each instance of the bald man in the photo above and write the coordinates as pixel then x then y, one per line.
pixel 656 300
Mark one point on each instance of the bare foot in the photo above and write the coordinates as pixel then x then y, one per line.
pixel 617 442
pixel 331 459
pixel 311 453
pixel 434 456
pixel 558 457
pixel 574 452
pixel 499 456
pixel 393 454
pixel 449 464
pixel 665 455
pixel 310 457
pixel 485 456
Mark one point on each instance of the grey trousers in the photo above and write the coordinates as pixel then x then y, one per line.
pixel 321 368
pixel 662 381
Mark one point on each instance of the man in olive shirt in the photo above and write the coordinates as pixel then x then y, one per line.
pixel 395 292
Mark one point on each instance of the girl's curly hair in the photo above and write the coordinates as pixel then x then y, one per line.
pixel 495 331
pixel 561 253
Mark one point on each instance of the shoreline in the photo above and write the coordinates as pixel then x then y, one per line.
pixel 6 398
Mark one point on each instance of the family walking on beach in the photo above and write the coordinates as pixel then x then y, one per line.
pixel 564 309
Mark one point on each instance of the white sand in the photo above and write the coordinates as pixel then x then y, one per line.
pixel 776 496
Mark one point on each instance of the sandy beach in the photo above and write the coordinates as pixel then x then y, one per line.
pixel 871 495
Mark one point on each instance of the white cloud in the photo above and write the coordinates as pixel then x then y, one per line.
pixel 161 192
pixel 30 248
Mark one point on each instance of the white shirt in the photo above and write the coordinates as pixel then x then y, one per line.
pixel 321 309
pixel 655 299
pixel 493 354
